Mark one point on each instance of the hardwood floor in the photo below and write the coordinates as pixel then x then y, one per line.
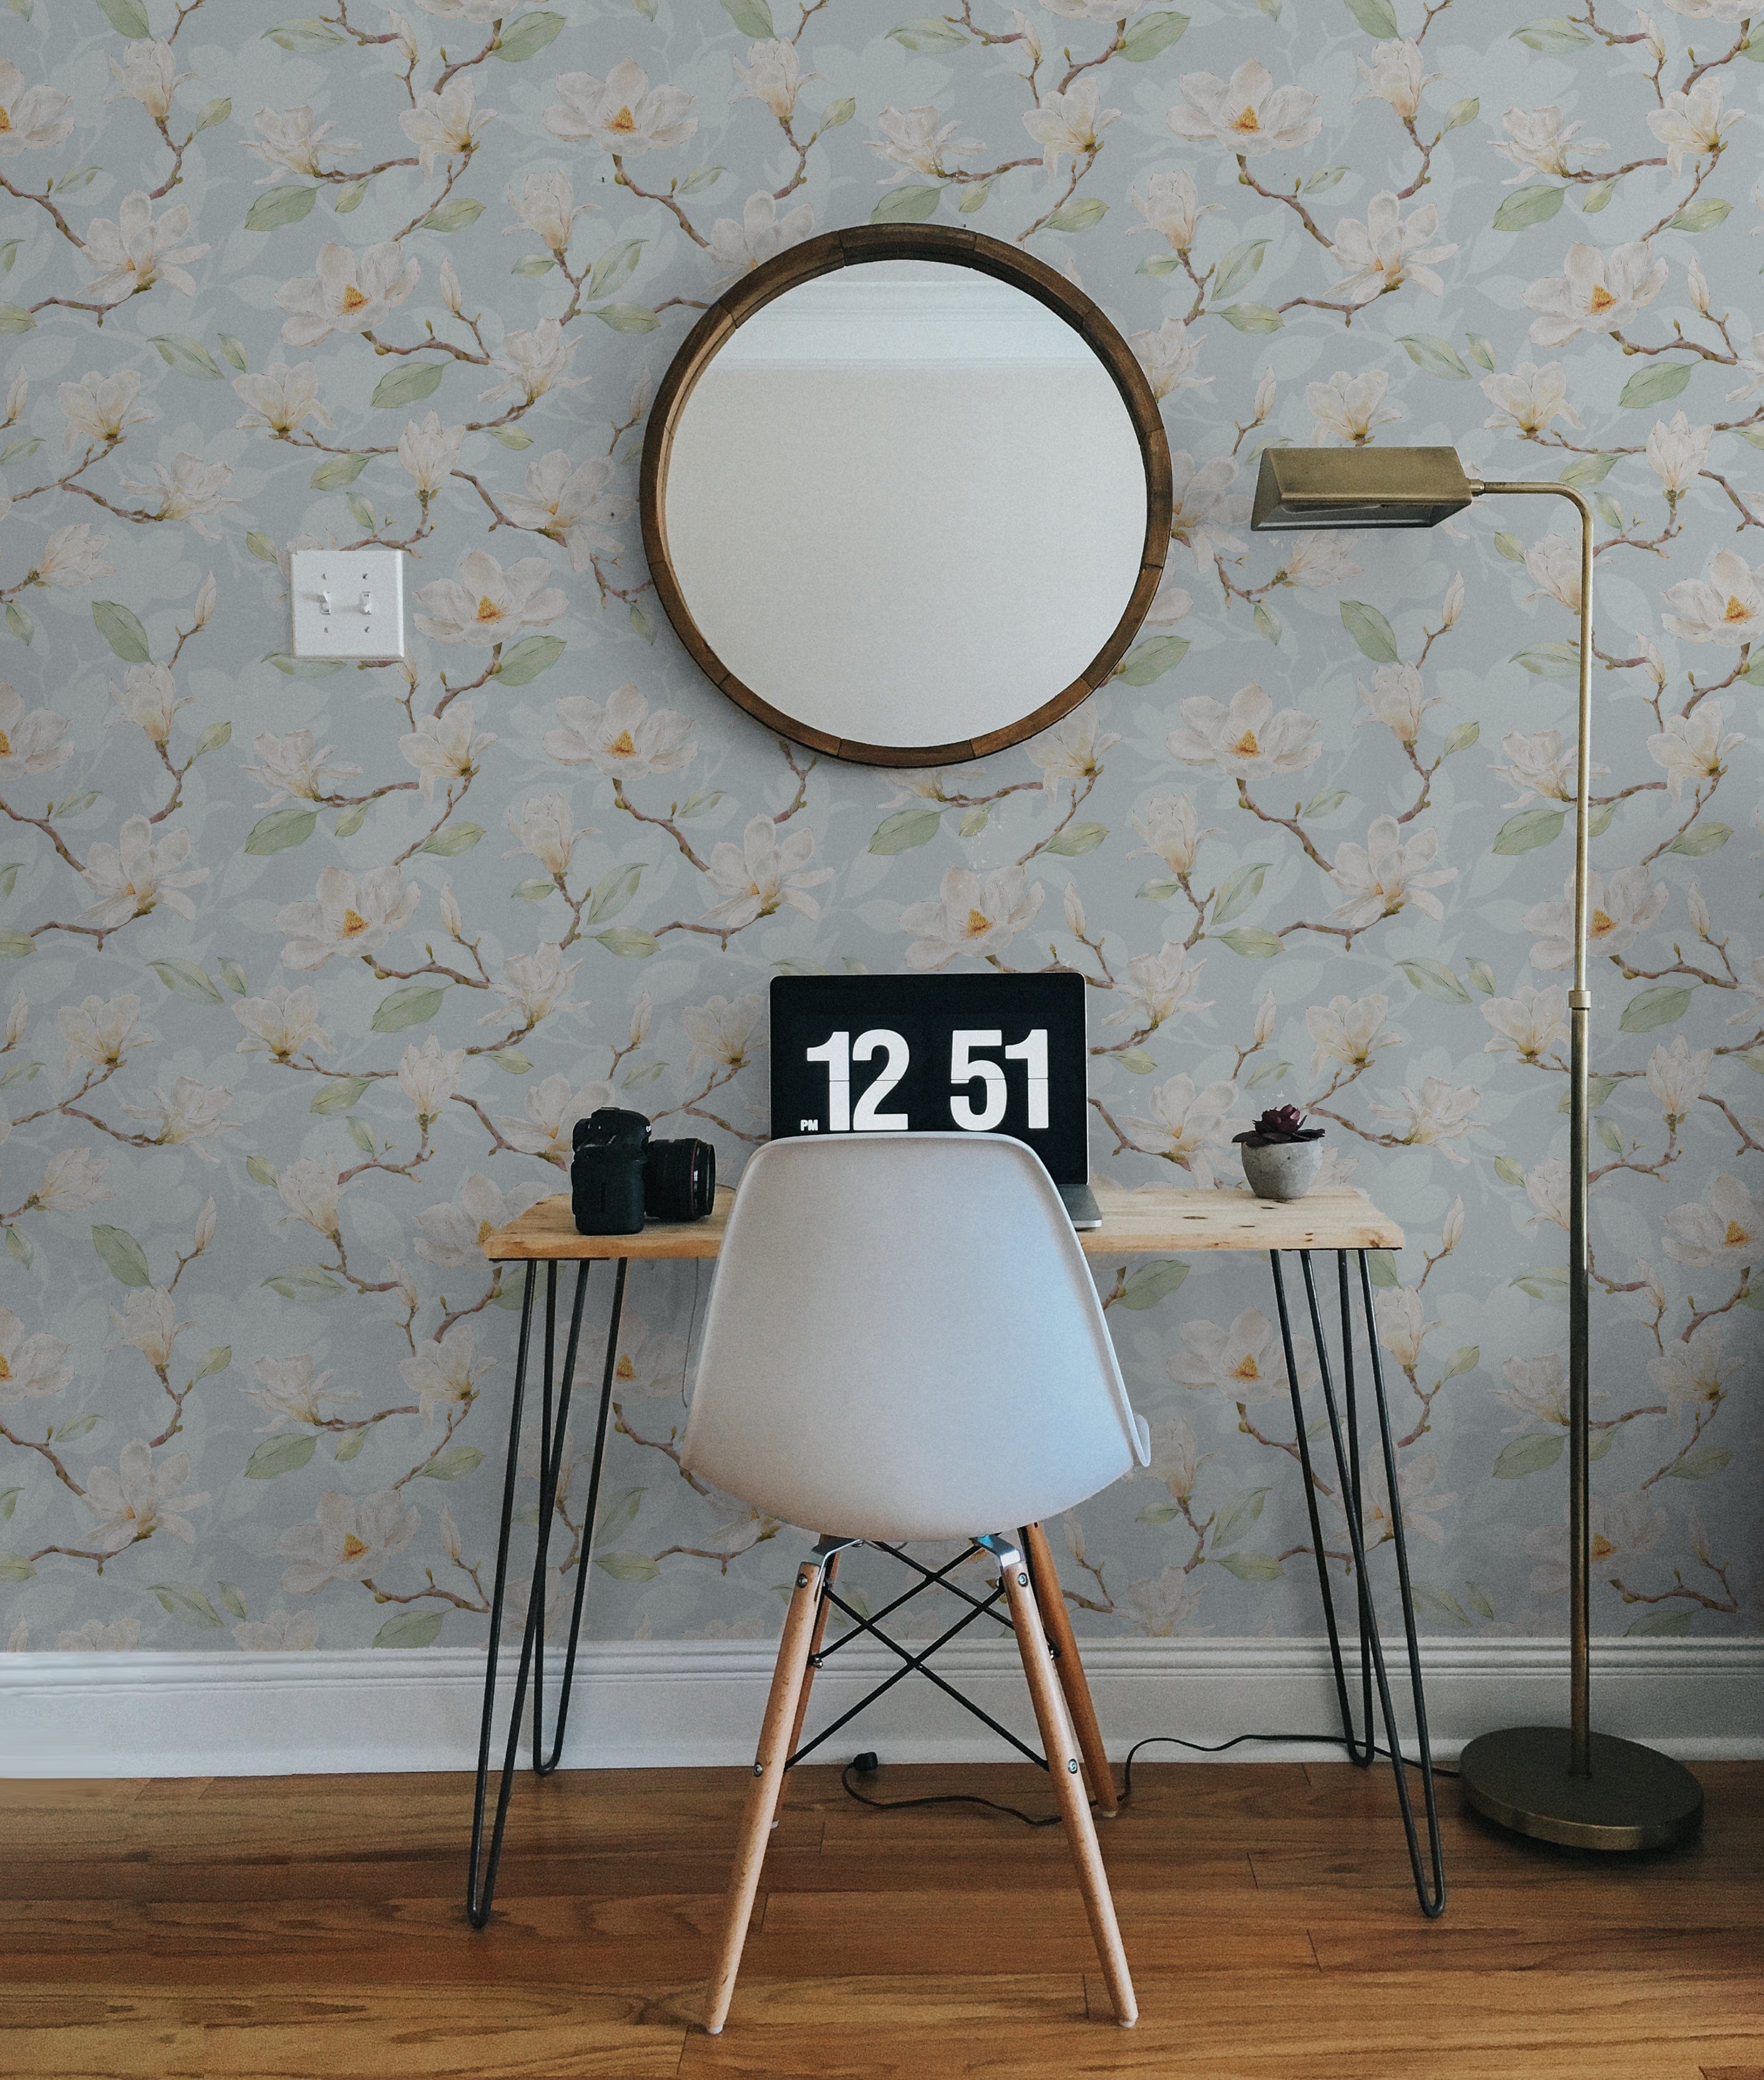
pixel 310 1929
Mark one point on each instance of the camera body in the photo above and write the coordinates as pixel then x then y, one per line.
pixel 618 1176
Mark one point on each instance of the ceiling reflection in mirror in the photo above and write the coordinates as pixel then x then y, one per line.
pixel 906 504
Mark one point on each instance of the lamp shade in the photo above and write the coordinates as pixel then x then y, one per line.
pixel 1358 488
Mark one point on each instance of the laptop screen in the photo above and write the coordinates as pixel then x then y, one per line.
pixel 881 1054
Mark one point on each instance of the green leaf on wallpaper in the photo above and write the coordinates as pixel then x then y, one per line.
pixel 122 1255
pixel 1267 621
pixel 306 1281
pixel 337 472
pixel 534 891
pixel 1151 35
pixel 186 1603
pixel 1080 214
pixel 414 1004
pixel 453 1464
pixel 1250 1566
pixel 1549 1282
pixel 350 1442
pixel 527 38
pixel 1527 207
pixel 1533 1454
pixel 1549 660
pixel 1596 197
pixel 638 1077
pixel 752 18
pixel 1509 545
pixel 122 630
pixel 1136 1062
pixel 1251 940
pixel 615 266
pixel 928 34
pixel 628 945
pixel 1700 1465
pixel 1465 1359
pixel 338 1096
pixel 1270 1072
pixel 1659 1625
pixel 215 737
pixel 1655 384
pixel 307 35
pixel 127 18
pixel 1554 32
pixel 188 356
pixel 1377 18
pixel 1460 113
pixel 184 978
pixel 1076 839
pixel 233 1597
pixel 1434 978
pixel 1529 829
pixel 1239 891
pixel 975 195
pixel 362 1136
pixel 1609 1136
pixel 361 513
pixel 1481 353
pixel 1585 471
pixel 1482 975
pixel 627 318
pixel 350 821
pixel 1157 890
pixel 280 830
pixel 410 1629
pixel 1324 803
pixel 350 195
pixel 905 831
pixel 701 178
pixel 834 114
pixel 1149 1283
pixel 456 212
pixel 9 252
pixel 9 1500
pixel 1479 1599
pixel 1461 739
pixel 451 840
pixel 277 207
pixel 262 546
pixel 1438 356
pixel 523 661
pixel 614 893
pixel 1652 1008
pixel 408 385
pixel 1235 1520
pixel 532 265
pixel 9 875
pixel 1510 1170
pixel 1441 1602
pixel 1249 317
pixel 1374 635
pixel 1150 660
pixel 910 205
pixel 511 1061
pixel 1700 839
pixel 1702 214
pixel 277 1456
pixel 1154 263
pixel 260 1170
pixel 629 1567
pixel 1158 1512
pixel 642 624
pixel 1381 1268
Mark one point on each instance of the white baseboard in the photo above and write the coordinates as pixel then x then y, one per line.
pixel 650 1702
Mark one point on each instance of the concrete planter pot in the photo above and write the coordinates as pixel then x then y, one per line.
pixel 1283 1170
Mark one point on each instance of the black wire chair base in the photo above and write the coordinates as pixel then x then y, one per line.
pixel 1363 1749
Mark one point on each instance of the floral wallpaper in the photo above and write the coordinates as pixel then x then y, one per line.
pixel 308 969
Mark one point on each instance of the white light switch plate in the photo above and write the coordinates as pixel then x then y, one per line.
pixel 348 603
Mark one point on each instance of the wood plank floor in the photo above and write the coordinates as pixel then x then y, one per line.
pixel 310 1929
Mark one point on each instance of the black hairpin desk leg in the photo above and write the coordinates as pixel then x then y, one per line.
pixel 481 1875
pixel 1362 1748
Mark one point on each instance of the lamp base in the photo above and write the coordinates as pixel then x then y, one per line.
pixel 1635 1798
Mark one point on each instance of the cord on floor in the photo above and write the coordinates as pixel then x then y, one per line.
pixel 868 1764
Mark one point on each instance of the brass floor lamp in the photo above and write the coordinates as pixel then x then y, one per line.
pixel 1566 1785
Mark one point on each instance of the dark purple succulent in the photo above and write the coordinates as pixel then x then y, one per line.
pixel 1277 1127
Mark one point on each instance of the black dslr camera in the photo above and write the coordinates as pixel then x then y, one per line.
pixel 618 1175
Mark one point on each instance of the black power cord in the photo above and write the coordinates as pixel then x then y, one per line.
pixel 868 1764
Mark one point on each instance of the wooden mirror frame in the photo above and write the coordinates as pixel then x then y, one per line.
pixel 823 255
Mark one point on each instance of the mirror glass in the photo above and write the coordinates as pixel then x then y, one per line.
pixel 906 503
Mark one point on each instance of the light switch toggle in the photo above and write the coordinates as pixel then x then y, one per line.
pixel 347 604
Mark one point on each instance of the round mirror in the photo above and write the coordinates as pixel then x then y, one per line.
pixel 906 495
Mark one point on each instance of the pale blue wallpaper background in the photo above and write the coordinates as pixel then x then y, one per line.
pixel 307 970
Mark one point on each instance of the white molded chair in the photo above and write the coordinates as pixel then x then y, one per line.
pixel 903 1342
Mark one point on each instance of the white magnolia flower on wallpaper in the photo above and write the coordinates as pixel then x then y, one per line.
pixel 1397 698
pixel 622 737
pixel 724 1035
pixel 573 503
pixel 310 1189
pixel 1247 114
pixel 187 1116
pixel 138 874
pixel 1069 125
pixel 547 206
pixel 99 1031
pixel 1596 292
pixel 1385 248
pixel 281 398
pixel 1170 357
pixel 1318 560
pixel 1189 1128
pixel 429 1076
pixel 1246 1363
pixel 448 124
pixel 772 75
pixel 763 232
pixel 452 1232
pixel 429 452
pixel 1725 604
pixel 1172 206
pixel 1203 514
pixel 1395 75
pixel 1416 1483
pixel 917 141
pixel 1156 989
pixel 1724 1228
pixel 1539 141
pixel 1378 879
pixel 1694 124
pixel 1677 1077
pixel 1540 765
pixel 446 747
pixel 293 140
pixel 1072 750
pixel 1624 1528
pixel 1528 1023
pixel 281 1023
pixel 120 1636
pixel 31 1367
pixel 1677 453
pixel 1165 1604
pixel 1172 832
pixel 487 605
pixel 1439 1116
pixel 651 1362
pixel 1552 562
pixel 1349 408
pixel 1694 748
pixel 444 1375
pixel 149 697
pixel 1244 738
pixel 35 118
pixel 1620 908
pixel 352 1536
pixel 760 876
pixel 621 114
pixel 1530 398
pixel 1402 1326
pixel 280 1632
pixel 138 1499
pixel 1695 1375
pixel 1350 1030
pixel 72 1182
pixel 73 555
pixel 534 362
pixel 553 1106
pixel 100 410
pixel 533 985
pixel 971 913
pixel 1176 1458
pixel 1537 1388
pixel 134 250
pixel 294 767
pixel 32 740
pixel 289 1390
pixel 346 916
pixel 545 824
pixel 348 291
pixel 1546 1186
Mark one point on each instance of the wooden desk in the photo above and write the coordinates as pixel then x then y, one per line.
pixel 1152 1223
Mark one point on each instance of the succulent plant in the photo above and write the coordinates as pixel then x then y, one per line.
pixel 1281 1123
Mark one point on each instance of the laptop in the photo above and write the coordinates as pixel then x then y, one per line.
pixel 894 1054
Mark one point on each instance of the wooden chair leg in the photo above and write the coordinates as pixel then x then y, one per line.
pixel 763 1793
pixel 1062 1766
pixel 808 1677
pixel 1050 1601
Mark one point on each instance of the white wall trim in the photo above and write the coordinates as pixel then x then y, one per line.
pixel 650 1702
